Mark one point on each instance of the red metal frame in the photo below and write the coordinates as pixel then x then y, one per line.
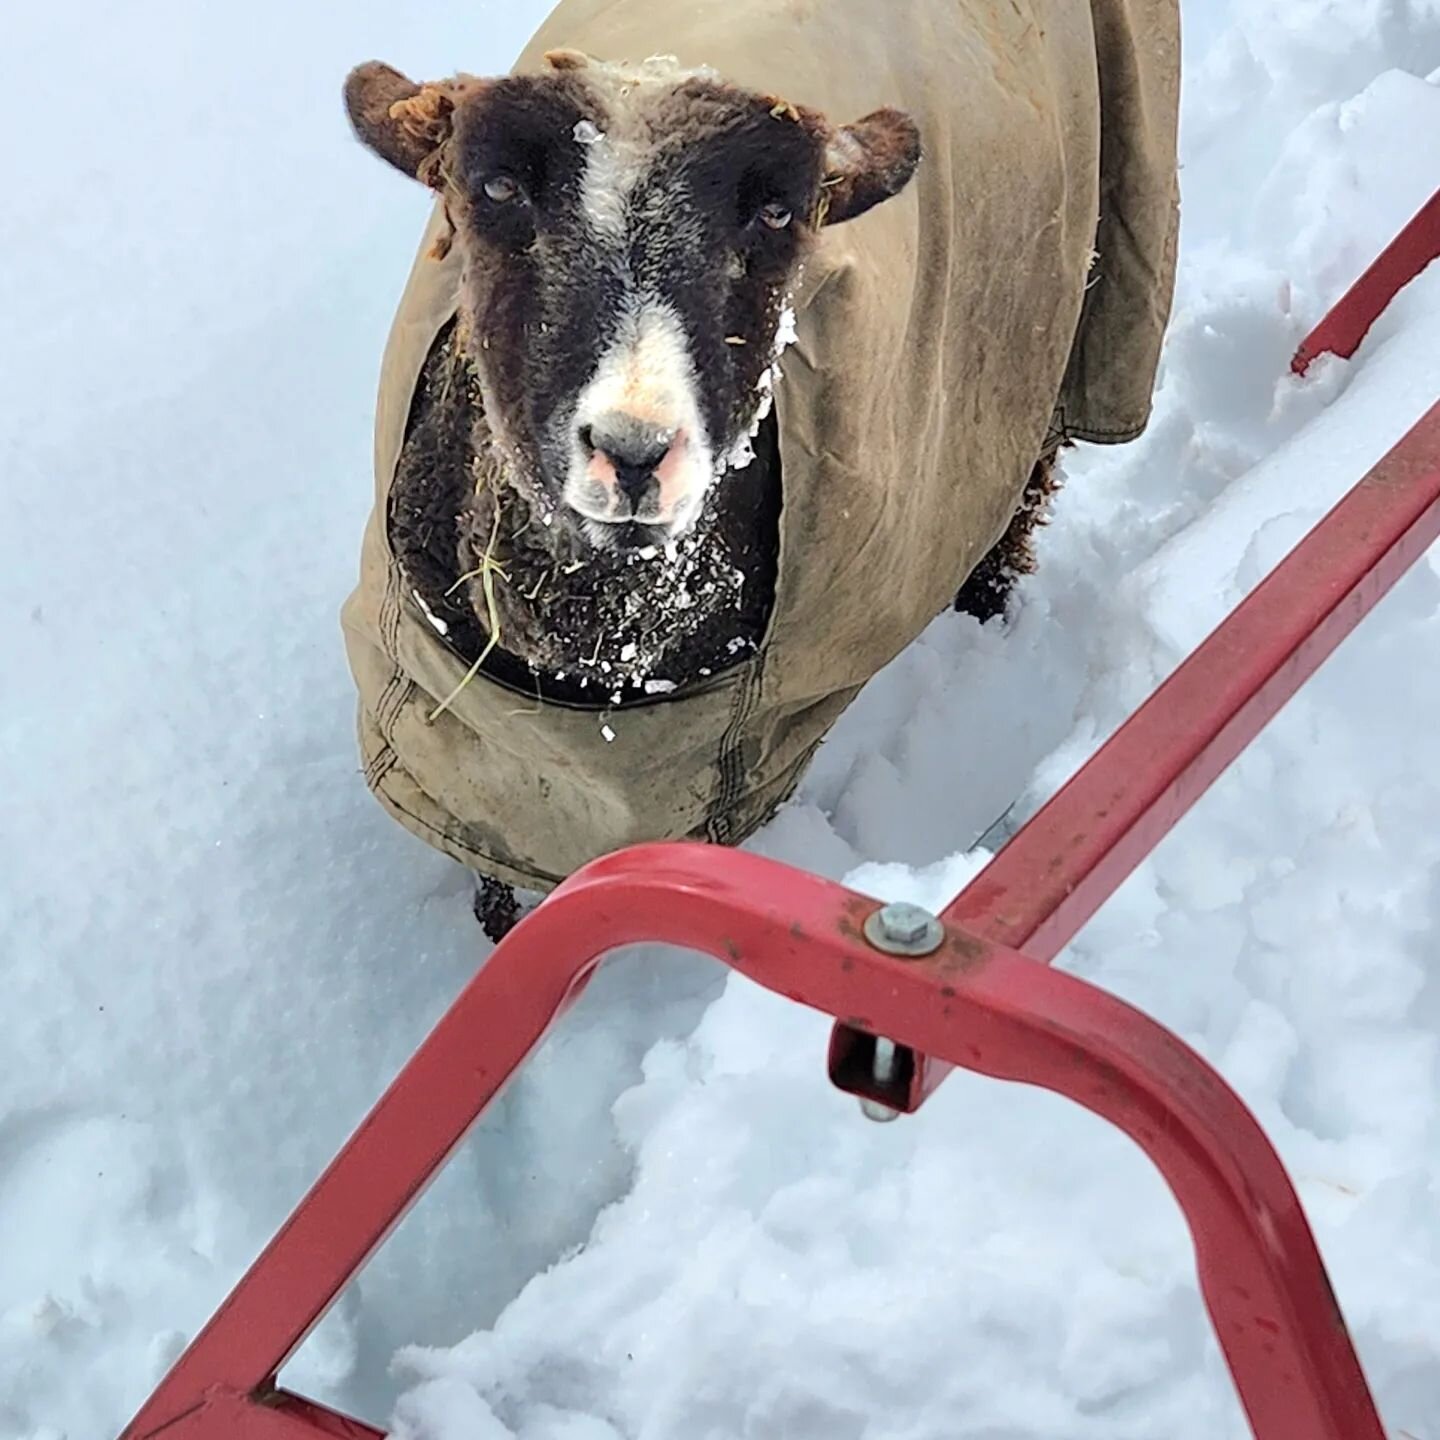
pixel 986 1001
pixel 1072 856
pixel 1342 330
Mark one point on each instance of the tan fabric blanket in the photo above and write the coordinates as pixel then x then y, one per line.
pixel 1016 290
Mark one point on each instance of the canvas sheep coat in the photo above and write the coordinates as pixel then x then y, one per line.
pixel 1014 293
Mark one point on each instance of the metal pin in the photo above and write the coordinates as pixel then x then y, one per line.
pixel 882 1067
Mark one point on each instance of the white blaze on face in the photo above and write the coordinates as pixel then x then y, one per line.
pixel 613 165
pixel 647 376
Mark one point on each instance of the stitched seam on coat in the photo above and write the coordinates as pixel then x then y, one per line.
pixel 394 688
pixel 383 714
pixel 729 761
pixel 398 689
pixel 380 766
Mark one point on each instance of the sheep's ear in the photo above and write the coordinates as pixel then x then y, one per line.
pixel 567 60
pixel 402 122
pixel 868 162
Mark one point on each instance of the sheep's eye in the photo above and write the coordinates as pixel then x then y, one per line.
pixel 501 188
pixel 775 215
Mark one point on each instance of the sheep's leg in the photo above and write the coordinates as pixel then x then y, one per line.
pixel 987 590
pixel 496 905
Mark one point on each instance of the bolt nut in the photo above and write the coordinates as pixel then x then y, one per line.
pixel 904 929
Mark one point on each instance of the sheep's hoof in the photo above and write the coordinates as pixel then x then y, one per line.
pixel 986 593
pixel 496 906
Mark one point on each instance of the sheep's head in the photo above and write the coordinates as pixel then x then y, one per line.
pixel 628 239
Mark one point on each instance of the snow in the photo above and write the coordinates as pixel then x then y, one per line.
pixel 217 950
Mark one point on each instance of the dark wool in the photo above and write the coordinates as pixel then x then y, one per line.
pixel 576 625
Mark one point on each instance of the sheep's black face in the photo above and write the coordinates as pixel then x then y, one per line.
pixel 629 237
pixel 628 259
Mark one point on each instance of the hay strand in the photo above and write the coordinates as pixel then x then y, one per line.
pixel 488 569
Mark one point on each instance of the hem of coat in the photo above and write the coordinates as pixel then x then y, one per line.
pixel 1062 431
pixel 386 761
pixel 1105 437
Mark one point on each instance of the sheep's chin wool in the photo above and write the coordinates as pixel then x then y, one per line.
pixel 618 621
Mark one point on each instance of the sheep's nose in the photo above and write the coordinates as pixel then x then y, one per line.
pixel 633 448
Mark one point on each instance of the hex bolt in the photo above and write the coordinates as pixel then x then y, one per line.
pixel 904 929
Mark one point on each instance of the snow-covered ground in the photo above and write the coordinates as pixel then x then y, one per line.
pixel 215 950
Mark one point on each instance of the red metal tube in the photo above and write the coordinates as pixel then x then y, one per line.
pixel 1347 324
pixel 974 1003
pixel 1073 855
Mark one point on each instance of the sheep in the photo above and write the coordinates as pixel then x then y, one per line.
pixel 701 403
pixel 606 384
